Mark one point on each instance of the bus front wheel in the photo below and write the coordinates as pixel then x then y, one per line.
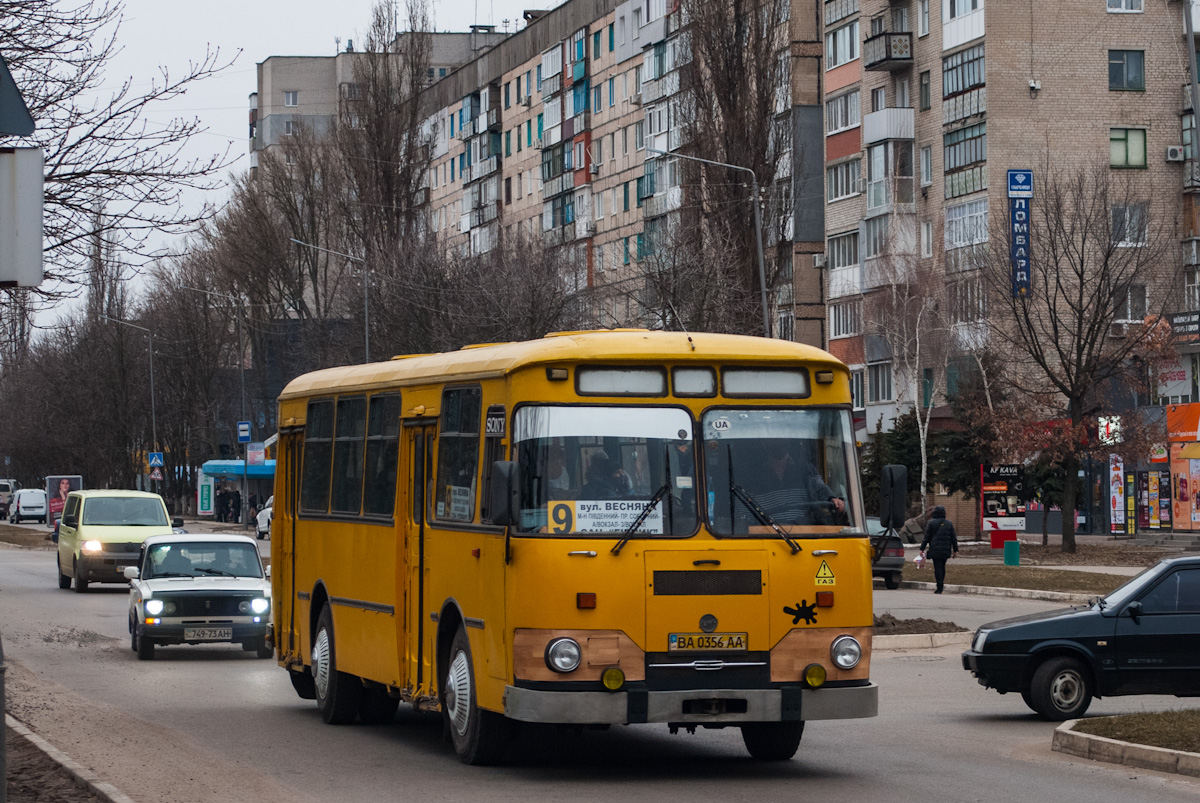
pixel 772 741
pixel 337 692
pixel 479 736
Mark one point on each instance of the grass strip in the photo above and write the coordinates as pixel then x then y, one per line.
pixel 25 537
pixel 1173 730
pixel 1025 577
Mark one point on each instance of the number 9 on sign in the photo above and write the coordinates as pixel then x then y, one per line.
pixel 562 517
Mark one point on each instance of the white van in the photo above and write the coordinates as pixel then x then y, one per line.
pixel 28 504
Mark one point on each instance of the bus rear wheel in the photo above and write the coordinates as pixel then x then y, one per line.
pixel 337 692
pixel 479 736
pixel 772 741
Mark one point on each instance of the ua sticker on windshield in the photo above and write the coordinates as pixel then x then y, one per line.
pixel 802 611
pixel 721 424
pixel 603 516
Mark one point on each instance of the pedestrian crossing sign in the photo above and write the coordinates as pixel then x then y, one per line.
pixel 825 575
pixel 156 459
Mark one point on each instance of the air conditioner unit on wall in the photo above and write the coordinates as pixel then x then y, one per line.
pixel 818 260
pixel 636 99
pixel 594 170
pixel 527 101
pixel 1174 153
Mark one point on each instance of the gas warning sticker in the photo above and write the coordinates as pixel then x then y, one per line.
pixel 825 575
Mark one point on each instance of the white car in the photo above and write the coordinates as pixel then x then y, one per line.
pixel 28 503
pixel 197 589
pixel 262 522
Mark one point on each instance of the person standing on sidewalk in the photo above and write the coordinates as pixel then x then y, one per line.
pixel 942 544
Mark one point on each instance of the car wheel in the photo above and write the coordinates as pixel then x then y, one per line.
pixel 303 683
pixel 479 736
pixel 337 692
pixel 64 580
pixel 772 741
pixel 143 645
pixel 377 707
pixel 1028 698
pixel 1061 689
pixel 16 519
pixel 81 585
pixel 892 580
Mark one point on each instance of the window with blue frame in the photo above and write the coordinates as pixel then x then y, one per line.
pixel 508 143
pixel 507 99
pixel 569 209
pixel 451 170
pixel 612 92
pixel 596 45
pixel 596 99
pixel 641 186
pixel 539 78
pixel 627 249
pixel 611 38
pixel 579 49
pixel 539 126
pixel 580 91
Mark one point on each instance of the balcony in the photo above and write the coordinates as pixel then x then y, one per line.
pixel 551 84
pixel 483 168
pixel 485 214
pixel 493 119
pixel 888 51
pixel 888 124
pixel 558 185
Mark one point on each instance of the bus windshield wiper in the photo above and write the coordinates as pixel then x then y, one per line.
pixel 629 531
pixel 763 516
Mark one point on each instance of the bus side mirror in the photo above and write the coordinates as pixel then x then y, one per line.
pixel 503 493
pixel 893 496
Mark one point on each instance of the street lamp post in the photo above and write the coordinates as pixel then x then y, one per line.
pixel 150 336
pixel 242 375
pixel 762 272
pixel 366 301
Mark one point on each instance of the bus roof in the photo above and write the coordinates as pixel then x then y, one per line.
pixel 620 345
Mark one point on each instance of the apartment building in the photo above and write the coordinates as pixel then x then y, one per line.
pixel 928 105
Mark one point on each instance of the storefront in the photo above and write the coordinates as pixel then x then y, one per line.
pixel 1183 423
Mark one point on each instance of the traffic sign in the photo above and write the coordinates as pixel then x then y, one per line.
pixel 156 475
pixel 156 459
pixel 243 431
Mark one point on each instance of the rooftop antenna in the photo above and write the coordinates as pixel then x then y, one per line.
pixel 337 44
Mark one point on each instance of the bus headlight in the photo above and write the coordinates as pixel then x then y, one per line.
pixel 92 546
pixel 845 652
pixel 563 655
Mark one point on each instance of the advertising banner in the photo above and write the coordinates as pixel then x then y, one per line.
pixel 57 488
pixel 1116 493
pixel 205 495
pixel 1003 511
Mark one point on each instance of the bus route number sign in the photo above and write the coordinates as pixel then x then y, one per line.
pixel 602 516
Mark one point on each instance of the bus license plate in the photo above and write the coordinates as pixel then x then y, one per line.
pixel 706 641
pixel 207 633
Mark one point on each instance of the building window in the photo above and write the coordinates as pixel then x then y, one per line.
pixel 878 99
pixel 291 98
pixel 857 395
pixel 845 319
pixel 875 236
pixel 289 128
pixel 842 251
pixel 963 71
pixel 625 255
pixel 967 224
pixel 639 140
pixel 902 99
pixel 1191 288
pixel 507 95
pixel 967 301
pixel 612 92
pixel 842 113
pixel 889 169
pixel 879 382
pixel 597 97
pixel 961 8
pixel 922 17
pixel 926 165
pixel 1124 6
pixel 1129 224
pixel 841 45
pixel 1127 147
pixel 625 190
pixel 595 46
pixel 926 238
pixel 926 97
pixel 610 37
pixel 1126 70
pixel 1130 306
pixel 964 147
pixel 841 181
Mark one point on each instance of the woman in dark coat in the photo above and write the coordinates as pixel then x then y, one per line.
pixel 942 543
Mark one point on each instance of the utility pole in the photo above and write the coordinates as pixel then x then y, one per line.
pixel 153 414
pixel 366 300
pixel 762 272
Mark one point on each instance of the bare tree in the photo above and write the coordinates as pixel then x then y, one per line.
pixel 1102 263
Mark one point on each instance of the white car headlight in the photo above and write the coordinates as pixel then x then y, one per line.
pixel 92 546
pixel 154 607
pixel 846 652
pixel 259 605
pixel 563 655
pixel 980 638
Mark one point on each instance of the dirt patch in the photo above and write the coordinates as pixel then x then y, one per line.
pixel 1026 577
pixel 888 625
pixel 22 536
pixel 33 777
pixel 1109 554
pixel 76 636
pixel 1173 730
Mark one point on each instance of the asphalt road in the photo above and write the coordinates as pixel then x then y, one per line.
pixel 215 724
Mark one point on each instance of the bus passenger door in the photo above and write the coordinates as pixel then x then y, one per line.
pixel 291 641
pixel 418 633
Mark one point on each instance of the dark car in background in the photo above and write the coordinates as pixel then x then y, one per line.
pixel 1143 638
pixel 887 553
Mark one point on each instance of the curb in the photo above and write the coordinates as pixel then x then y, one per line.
pixel 1098 748
pixel 82 776
pixel 991 591
pixel 917 641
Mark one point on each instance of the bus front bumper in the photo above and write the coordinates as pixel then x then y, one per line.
pixel 700 706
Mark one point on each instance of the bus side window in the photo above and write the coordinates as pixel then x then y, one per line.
pixel 383 446
pixel 458 454
pixel 348 447
pixel 418 476
pixel 318 453
pixel 493 450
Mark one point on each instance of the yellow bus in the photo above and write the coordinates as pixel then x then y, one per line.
pixel 593 528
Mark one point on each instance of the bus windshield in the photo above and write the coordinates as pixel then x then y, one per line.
pixel 767 468
pixel 602 469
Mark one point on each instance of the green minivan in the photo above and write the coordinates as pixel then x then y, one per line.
pixel 101 532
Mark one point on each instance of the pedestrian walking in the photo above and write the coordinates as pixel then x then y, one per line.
pixel 942 544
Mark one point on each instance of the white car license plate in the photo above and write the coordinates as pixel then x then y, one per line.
pixel 207 633
pixel 702 642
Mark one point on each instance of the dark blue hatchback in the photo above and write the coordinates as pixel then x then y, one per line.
pixel 1143 638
